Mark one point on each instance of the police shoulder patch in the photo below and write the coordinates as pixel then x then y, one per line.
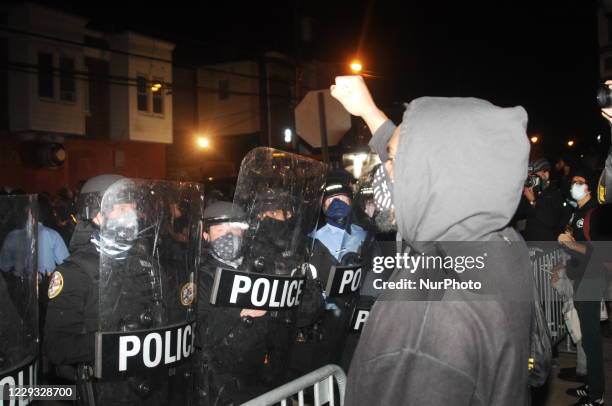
pixel 187 293
pixel 55 285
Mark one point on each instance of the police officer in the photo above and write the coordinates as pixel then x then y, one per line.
pixel 73 315
pixel 73 296
pixel 339 240
pixel 232 342
pixel 275 233
pixel 321 338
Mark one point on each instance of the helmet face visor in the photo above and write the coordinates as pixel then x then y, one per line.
pixel 88 205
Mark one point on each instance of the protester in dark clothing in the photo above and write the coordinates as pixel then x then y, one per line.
pixel 583 268
pixel 459 350
pixel 542 205
pixel 562 175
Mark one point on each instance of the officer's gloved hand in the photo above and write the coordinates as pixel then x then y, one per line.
pixel 259 264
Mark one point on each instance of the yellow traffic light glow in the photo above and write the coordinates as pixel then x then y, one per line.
pixel 356 66
pixel 570 143
pixel 202 142
pixel 535 139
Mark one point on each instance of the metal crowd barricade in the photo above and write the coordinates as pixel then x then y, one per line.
pixel 543 260
pixel 322 382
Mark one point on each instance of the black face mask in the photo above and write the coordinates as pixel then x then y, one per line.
pixel 274 225
pixel 227 247
pixel 382 186
pixel 276 232
pixel 383 200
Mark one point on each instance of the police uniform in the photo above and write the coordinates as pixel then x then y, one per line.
pixel 72 312
pixel 72 316
pixel 232 350
pixel 136 298
pixel 336 243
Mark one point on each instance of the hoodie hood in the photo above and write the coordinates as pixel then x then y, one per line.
pixel 459 169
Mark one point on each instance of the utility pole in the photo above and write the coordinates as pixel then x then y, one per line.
pixel 264 124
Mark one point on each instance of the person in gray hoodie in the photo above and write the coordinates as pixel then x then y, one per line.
pixel 455 168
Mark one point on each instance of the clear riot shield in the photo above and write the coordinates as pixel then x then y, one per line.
pixel 18 291
pixel 254 303
pixel 149 245
pixel 337 265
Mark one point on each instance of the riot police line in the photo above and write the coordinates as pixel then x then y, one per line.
pixel 153 307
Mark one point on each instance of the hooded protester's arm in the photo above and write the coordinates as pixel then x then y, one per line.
pixel 381 138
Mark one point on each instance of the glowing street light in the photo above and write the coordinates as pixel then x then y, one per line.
pixel 599 138
pixel 155 87
pixel 570 143
pixel 288 135
pixel 202 142
pixel 535 139
pixel 356 66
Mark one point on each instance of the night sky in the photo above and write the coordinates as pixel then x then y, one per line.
pixel 540 54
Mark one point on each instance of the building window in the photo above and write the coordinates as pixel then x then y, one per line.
pixel 67 82
pixel 45 74
pixel 143 94
pixel 158 98
pixel 224 90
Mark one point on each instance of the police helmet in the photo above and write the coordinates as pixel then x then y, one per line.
pixel 338 182
pixel 223 212
pixel 90 196
pixel 274 198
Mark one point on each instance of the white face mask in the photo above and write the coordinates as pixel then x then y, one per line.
pixel 578 192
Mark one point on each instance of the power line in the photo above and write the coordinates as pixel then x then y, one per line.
pixel 22 68
pixel 126 53
pixel 116 80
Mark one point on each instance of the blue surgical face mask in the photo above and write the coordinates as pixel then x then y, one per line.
pixel 578 192
pixel 338 210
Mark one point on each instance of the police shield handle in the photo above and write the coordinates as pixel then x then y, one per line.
pixel 354 95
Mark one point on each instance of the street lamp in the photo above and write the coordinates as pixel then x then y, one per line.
pixel 155 87
pixel 356 66
pixel 570 143
pixel 202 142
pixel 535 139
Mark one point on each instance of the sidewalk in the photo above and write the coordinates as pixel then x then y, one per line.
pixel 554 393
